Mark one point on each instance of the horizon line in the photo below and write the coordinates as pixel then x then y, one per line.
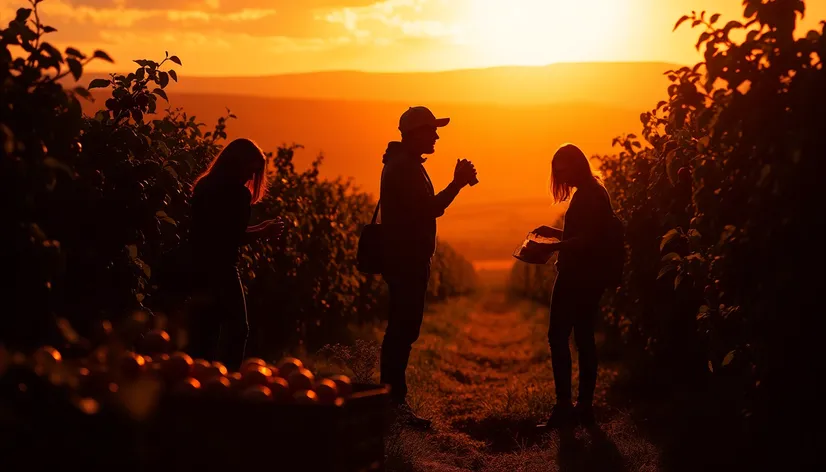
pixel 408 72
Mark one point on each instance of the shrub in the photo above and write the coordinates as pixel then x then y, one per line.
pixel 724 215
pixel 95 202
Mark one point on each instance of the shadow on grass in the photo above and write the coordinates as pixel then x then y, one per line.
pixel 597 452
pixel 503 434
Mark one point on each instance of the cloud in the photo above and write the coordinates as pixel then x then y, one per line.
pixel 223 37
pixel 391 20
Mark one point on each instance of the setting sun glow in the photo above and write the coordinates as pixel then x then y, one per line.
pixel 534 32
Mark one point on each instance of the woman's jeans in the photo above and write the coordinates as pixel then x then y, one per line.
pixel 218 326
pixel 574 306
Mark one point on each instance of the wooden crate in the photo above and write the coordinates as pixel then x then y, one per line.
pixel 40 429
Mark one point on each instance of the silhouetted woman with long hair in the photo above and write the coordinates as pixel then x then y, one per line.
pixel 579 284
pixel 221 206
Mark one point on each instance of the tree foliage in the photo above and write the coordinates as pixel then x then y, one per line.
pixel 724 215
pixel 94 202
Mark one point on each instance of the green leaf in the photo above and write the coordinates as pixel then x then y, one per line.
pixel 53 163
pixel 74 52
pixel 703 312
pixel 665 271
pixel 175 60
pixel 160 93
pixel 23 14
pixel 731 25
pixel 49 29
pixel 702 39
pixel 679 22
pixel 174 75
pixel 102 55
pixel 140 73
pixel 728 231
pixel 729 357
pixel 668 237
pixel 714 18
pixel 83 93
pixel 75 67
pixel 163 79
pixel 671 257
pixel 99 83
pixel 677 281
pixel 142 62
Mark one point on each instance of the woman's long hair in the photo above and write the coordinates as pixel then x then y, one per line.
pixel 579 170
pixel 238 157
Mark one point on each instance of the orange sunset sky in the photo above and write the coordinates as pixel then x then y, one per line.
pixel 259 37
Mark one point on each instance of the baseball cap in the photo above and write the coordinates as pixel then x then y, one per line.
pixel 417 117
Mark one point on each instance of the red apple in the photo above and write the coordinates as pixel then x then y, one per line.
pixel 101 331
pixel 219 369
pixel 288 365
pixel 345 386
pixel 257 393
pixel 259 375
pixel 251 363
pixel 305 397
pixel 301 379
pixel 47 355
pixel 202 370
pixel 327 391
pixel 187 386
pixel 235 380
pixel 156 341
pixel 177 367
pixel 280 389
pixel 217 387
pixel 131 365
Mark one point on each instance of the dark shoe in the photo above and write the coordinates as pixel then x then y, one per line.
pixel 405 416
pixel 562 416
pixel 585 414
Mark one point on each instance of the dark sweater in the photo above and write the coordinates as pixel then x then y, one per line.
pixel 220 215
pixel 586 220
pixel 409 207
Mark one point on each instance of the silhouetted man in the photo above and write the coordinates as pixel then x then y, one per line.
pixel 409 208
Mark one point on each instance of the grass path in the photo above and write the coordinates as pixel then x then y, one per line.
pixel 481 371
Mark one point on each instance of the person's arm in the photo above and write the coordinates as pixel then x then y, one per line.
pixel 462 175
pixel 589 223
pixel 548 232
pixel 439 202
pixel 272 229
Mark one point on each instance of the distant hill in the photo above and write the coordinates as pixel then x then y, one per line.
pixel 628 84
pixel 511 144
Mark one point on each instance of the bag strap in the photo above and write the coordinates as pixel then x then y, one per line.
pixel 378 205
pixel 376 213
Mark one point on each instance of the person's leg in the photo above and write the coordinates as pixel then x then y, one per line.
pixel 586 347
pixel 204 325
pixel 234 326
pixel 559 331
pixel 407 296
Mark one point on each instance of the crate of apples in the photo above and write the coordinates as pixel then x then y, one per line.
pixel 140 405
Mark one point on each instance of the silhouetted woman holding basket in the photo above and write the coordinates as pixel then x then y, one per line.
pixel 591 254
pixel 221 207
